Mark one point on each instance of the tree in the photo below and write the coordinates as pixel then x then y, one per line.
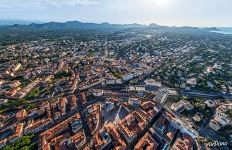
pixel 24 143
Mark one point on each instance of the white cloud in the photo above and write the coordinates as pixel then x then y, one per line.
pixel 18 5
pixel 60 3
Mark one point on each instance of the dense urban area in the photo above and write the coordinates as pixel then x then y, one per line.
pixel 114 87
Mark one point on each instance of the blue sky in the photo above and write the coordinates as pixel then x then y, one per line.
pixel 165 12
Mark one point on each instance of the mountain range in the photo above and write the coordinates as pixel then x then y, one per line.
pixel 88 26
pixel 71 25
pixel 11 34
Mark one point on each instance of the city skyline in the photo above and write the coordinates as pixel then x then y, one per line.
pixel 164 12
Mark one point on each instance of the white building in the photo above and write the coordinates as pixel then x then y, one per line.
pixel 3 101
pixel 17 67
pixel 97 92
pixel 151 82
pixel 210 103
pixel 214 125
pixel 222 118
pixel 161 96
pixel 128 77
pixel 134 102
pixel 192 81
pixel 181 106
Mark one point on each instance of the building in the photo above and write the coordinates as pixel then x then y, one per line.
pixel 192 81
pixel 164 130
pixel 117 141
pixel 183 142
pixel 22 93
pixel 3 142
pixel 210 103
pixel 109 106
pixel 148 109
pixel 161 96
pixel 131 125
pixel 35 126
pixel 134 102
pixel 97 92
pixel 138 88
pixel 60 137
pixel 16 67
pixel 221 119
pixel 3 101
pixel 18 132
pixel 181 106
pixel 22 114
pixel 82 98
pixel 92 114
pixel 128 77
pixel 152 85
pixel 210 70
pixel 214 125
pixel 146 142
pixel 102 140
pixel 72 101
pixel 76 125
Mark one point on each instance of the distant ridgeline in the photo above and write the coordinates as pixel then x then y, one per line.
pixel 11 34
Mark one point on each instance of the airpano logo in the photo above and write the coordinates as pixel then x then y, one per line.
pixel 217 144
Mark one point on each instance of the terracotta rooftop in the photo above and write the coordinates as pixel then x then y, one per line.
pixel 117 140
pixel 131 125
pixel 183 143
pixel 146 142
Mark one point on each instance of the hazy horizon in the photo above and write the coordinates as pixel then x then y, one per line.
pixel 197 13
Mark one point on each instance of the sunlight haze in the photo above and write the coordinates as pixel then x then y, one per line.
pixel 164 12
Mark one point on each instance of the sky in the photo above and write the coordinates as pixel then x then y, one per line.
pixel 201 13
